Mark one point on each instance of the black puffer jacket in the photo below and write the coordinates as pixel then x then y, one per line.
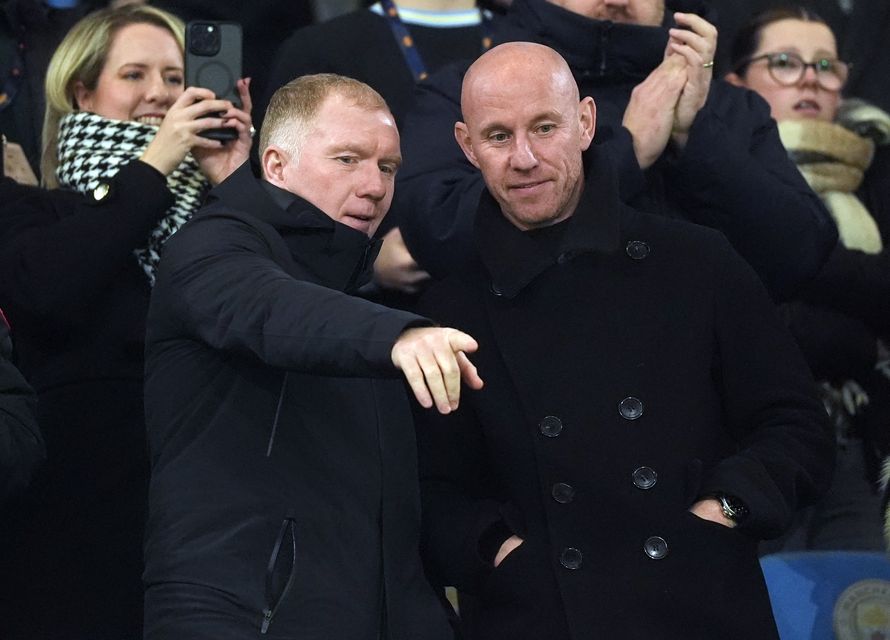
pixel 284 479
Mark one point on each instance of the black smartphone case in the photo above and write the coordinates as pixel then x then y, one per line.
pixel 214 63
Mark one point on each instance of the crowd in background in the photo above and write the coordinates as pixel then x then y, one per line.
pixel 79 251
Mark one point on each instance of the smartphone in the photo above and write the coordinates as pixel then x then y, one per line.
pixel 213 61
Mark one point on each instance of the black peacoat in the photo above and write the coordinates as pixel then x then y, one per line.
pixel 633 364
pixel 284 497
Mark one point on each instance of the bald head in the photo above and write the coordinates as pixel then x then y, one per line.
pixel 514 63
pixel 525 128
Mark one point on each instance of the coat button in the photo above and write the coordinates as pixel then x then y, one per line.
pixel 630 408
pixel 550 426
pixel 570 558
pixel 101 191
pixel 645 478
pixel 655 547
pixel 637 249
pixel 496 290
pixel 563 493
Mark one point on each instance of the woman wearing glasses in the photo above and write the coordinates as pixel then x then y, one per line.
pixel 841 320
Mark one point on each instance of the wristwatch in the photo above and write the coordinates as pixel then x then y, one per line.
pixel 733 508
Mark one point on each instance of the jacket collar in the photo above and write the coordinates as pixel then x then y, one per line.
pixel 244 192
pixel 339 256
pixel 514 258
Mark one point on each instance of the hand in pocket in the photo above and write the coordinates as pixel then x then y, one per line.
pixel 506 549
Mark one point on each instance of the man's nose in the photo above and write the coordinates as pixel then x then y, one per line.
pixel 373 183
pixel 523 157
pixel 616 3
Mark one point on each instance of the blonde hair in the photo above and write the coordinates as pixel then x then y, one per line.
pixel 293 107
pixel 80 58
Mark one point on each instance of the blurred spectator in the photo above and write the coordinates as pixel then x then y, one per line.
pixel 790 57
pixel 861 27
pixel 370 45
pixel 30 30
pixel 77 264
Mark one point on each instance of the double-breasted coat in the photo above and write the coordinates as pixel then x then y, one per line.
pixel 283 499
pixel 633 364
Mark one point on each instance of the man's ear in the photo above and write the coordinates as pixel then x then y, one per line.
pixel 462 135
pixel 274 161
pixel 735 79
pixel 83 97
pixel 587 121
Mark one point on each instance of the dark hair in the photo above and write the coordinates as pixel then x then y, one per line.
pixel 747 40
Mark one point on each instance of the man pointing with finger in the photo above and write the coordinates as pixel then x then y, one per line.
pixel 283 498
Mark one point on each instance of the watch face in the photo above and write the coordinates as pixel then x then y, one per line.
pixel 733 508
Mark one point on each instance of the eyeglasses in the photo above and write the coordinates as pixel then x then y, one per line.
pixel 788 69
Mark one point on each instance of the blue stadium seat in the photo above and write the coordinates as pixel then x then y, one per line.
pixel 804 588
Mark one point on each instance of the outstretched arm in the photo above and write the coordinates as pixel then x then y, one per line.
pixel 220 281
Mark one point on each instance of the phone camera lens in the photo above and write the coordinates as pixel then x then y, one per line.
pixel 204 39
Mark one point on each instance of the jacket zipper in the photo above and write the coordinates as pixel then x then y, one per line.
pixel 277 414
pixel 272 607
pixel 604 44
